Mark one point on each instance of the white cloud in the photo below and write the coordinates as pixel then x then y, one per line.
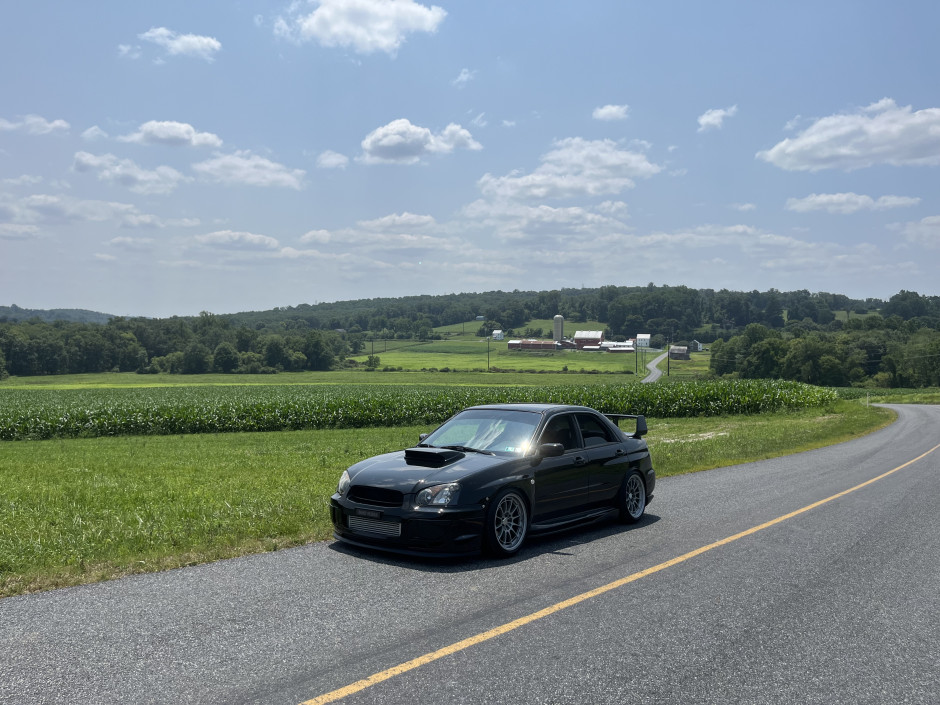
pixel 249 169
pixel 94 133
pixel 135 244
pixel 172 133
pixel 575 167
pixel 332 160
pixel 570 228
pixel 231 239
pixel 399 221
pixel 65 210
pixel 744 207
pixel 128 51
pixel 714 119
pixel 365 26
pixel 400 142
pixel 162 180
pixel 611 112
pixel 34 125
pixel 881 133
pixel 847 203
pixel 466 75
pixel 24 180
pixel 15 231
pixel 924 232
pixel 176 44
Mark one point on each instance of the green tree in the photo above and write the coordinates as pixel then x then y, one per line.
pixel 225 357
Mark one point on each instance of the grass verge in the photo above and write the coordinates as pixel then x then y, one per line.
pixel 83 510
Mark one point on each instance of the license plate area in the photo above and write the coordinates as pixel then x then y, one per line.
pixel 369 513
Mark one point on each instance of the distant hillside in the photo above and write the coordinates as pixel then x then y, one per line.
pixel 73 315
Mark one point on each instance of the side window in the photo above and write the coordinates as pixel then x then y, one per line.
pixel 560 430
pixel 593 430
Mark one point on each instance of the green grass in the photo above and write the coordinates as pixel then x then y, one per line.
pixel 82 510
pixel 469 355
pixel 696 368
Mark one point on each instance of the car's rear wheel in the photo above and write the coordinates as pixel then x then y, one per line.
pixel 632 499
pixel 507 521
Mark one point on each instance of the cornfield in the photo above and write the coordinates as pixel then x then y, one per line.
pixel 44 414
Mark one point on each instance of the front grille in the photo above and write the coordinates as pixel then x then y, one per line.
pixel 378 496
pixel 374 526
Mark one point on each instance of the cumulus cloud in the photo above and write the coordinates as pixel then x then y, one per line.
pixel 245 168
pixel 52 209
pixel 400 142
pixel 176 44
pixel 881 133
pixel 571 227
pixel 714 119
pixel 235 240
pixel 398 221
pixel 611 112
pixel 847 203
pixel 332 160
pixel 172 133
pixel 94 133
pixel 125 172
pixel 34 125
pixel 575 167
pixel 365 26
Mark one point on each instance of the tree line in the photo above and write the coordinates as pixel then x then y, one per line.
pixel 752 333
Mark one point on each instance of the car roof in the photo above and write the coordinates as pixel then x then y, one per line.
pixel 536 408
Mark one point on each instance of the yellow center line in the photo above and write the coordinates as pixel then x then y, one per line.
pixel 388 673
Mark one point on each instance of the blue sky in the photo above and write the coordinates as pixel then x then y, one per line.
pixel 168 158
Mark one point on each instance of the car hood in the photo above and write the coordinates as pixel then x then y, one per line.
pixel 408 471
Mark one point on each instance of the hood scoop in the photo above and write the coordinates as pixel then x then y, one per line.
pixel 432 457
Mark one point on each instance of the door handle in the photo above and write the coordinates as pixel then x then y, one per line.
pixel 580 460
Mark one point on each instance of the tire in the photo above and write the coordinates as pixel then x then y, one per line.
pixel 507 522
pixel 632 498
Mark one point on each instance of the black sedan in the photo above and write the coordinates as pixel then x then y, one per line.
pixel 491 475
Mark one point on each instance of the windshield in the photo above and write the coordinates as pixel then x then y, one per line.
pixel 493 430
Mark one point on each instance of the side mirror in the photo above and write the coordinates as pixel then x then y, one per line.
pixel 422 437
pixel 550 450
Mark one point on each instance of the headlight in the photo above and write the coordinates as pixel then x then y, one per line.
pixel 438 496
pixel 343 483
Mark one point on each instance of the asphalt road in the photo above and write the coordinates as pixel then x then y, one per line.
pixel 654 372
pixel 837 604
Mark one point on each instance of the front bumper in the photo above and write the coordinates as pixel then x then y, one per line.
pixel 426 531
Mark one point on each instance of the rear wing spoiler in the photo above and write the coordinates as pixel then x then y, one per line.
pixel 640 422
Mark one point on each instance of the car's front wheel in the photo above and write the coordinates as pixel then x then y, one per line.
pixel 632 499
pixel 507 521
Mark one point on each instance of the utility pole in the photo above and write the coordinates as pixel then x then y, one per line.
pixel 487 353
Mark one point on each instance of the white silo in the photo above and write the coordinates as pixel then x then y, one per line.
pixel 558 328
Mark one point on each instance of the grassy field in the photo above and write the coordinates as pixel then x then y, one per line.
pixel 81 510
pixel 470 355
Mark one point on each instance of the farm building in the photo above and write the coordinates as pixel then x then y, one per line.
pixel 696 346
pixel 497 335
pixel 679 352
pixel 588 339
pixel 642 340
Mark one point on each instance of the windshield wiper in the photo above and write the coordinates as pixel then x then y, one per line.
pixel 466 449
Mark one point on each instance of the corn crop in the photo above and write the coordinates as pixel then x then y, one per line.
pixel 75 413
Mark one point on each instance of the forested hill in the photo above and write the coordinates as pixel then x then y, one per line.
pixel 77 315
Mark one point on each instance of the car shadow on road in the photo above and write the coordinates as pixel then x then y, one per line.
pixel 559 543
